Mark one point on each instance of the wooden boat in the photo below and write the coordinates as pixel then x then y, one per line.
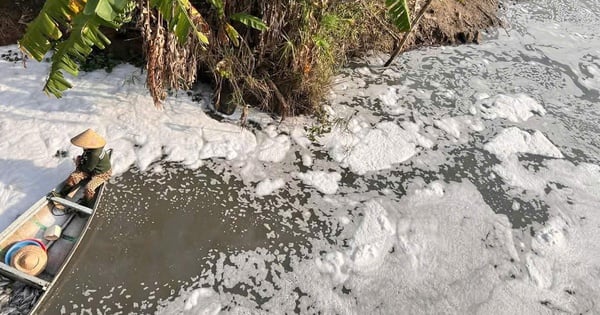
pixel 74 220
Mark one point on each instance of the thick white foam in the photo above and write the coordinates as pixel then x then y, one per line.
pixel 362 148
pixel 268 186
pixel 517 108
pixel 325 182
pixel 117 105
pixel 514 140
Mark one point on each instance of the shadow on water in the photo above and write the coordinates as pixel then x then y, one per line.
pixel 158 231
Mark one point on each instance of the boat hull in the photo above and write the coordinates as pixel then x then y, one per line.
pixel 33 223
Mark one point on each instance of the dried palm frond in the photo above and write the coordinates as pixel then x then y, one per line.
pixel 171 62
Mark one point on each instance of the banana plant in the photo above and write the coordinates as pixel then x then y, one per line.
pixel 72 28
pixel 83 19
pixel 244 18
pixel 182 17
pixel 84 23
pixel 399 14
pixel 410 26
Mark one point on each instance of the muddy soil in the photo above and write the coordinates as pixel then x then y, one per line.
pixel 14 16
pixel 453 22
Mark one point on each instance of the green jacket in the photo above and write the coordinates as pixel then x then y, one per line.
pixel 94 161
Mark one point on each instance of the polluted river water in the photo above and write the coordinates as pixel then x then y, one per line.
pixel 460 180
pixel 171 227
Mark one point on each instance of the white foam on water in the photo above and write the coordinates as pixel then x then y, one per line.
pixel 372 240
pixel 300 138
pixel 273 147
pixel 440 249
pixel 392 101
pixel 456 129
pixel 203 302
pixel 450 126
pixel 369 246
pixel 515 108
pixel 117 105
pixel 268 186
pixel 362 148
pixel 307 160
pixel 325 182
pixel 513 140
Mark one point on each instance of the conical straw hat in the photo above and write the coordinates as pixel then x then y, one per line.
pixel 88 139
pixel 30 259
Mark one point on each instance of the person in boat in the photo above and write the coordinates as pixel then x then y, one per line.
pixel 93 164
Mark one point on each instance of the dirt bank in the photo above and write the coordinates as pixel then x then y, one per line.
pixel 286 68
pixel 14 16
pixel 453 22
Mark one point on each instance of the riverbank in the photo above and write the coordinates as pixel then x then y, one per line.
pixel 286 68
pixel 444 23
pixel 455 22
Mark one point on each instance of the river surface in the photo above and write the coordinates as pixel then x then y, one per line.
pixel 511 126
